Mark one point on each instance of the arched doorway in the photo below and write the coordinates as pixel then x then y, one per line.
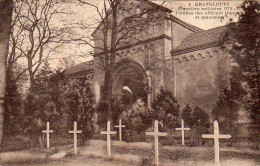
pixel 131 82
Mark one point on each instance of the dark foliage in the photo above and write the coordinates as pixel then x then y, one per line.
pixel 79 107
pixel 187 116
pixel 43 104
pixel 245 52
pixel 117 109
pixel 13 106
pixel 165 108
pixel 198 121
pixel 138 118
pixel 226 111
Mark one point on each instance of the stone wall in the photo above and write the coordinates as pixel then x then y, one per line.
pixel 199 75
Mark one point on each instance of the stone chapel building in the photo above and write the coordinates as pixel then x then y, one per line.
pixel 190 62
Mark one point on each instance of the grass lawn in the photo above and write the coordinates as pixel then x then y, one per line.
pixel 138 153
pixel 72 161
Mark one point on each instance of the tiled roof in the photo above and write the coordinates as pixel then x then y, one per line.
pixel 82 67
pixel 202 38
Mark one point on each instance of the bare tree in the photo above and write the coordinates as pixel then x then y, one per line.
pixel 34 36
pixel 6 7
pixel 116 30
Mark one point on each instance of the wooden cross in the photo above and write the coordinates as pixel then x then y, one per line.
pixel 120 126
pixel 156 134
pixel 216 137
pixel 182 131
pixel 75 132
pixel 108 133
pixel 48 131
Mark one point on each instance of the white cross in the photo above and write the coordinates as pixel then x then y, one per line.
pixel 108 132
pixel 156 134
pixel 75 132
pixel 216 137
pixel 182 131
pixel 48 131
pixel 120 126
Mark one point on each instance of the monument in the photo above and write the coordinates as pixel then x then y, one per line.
pixel 177 56
pixel 190 62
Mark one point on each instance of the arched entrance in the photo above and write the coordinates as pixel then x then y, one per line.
pixel 131 82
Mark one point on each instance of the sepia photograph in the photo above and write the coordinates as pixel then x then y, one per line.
pixel 129 83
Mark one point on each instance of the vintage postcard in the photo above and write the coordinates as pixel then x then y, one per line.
pixel 129 82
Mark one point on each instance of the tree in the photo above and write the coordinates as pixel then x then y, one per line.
pixel 138 117
pixel 226 109
pixel 200 121
pixel 118 108
pixel 115 31
pixel 44 104
pixel 187 115
pixel 79 106
pixel 13 103
pixel 165 108
pixel 245 52
pixel 6 7
pixel 33 34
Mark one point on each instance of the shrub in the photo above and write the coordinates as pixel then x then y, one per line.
pixel 200 125
pixel 198 121
pixel 226 111
pixel 79 106
pixel 38 110
pixel 138 118
pixel 117 106
pixel 187 116
pixel 165 109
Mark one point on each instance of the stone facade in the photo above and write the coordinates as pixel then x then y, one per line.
pixel 176 56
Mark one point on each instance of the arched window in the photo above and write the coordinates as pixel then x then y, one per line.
pixel 207 54
pixel 215 53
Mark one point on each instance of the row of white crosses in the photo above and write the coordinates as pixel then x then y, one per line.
pixel 75 132
pixel 156 134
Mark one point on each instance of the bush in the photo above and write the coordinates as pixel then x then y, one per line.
pixel 79 106
pixel 38 110
pixel 198 121
pixel 165 109
pixel 134 137
pixel 200 124
pixel 117 106
pixel 138 118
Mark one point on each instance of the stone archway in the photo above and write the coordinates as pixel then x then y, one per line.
pixel 131 82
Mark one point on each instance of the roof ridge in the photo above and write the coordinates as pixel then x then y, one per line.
pixel 206 37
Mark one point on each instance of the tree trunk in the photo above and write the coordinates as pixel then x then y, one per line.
pixel 31 75
pixel 6 7
pixel 108 95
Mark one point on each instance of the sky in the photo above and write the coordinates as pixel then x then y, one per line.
pixel 184 10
